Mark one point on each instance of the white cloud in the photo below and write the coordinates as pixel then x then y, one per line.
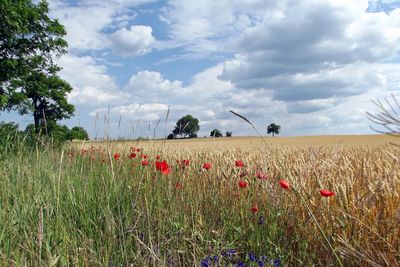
pixel 135 41
pixel 152 86
pixel 135 111
pixel 90 81
pixel 86 21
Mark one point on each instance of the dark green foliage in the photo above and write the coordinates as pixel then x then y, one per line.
pixel 186 126
pixel 170 136
pixel 29 39
pixel 228 134
pixel 216 133
pixel 51 133
pixel 77 133
pixel 273 128
pixel 193 135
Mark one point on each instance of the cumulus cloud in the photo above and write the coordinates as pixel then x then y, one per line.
pixel 91 83
pixel 152 86
pixel 86 22
pixel 146 112
pixel 315 50
pixel 135 41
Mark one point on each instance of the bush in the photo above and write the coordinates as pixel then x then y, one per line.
pixel 193 135
pixel 170 136
pixel 228 134
pixel 77 133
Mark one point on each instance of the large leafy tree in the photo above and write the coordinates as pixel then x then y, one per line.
pixel 186 126
pixel 29 40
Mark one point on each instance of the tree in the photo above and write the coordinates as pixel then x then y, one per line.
pixel 193 135
pixel 29 40
pixel 228 134
pixel 273 128
pixel 186 126
pixel 216 133
pixel 77 133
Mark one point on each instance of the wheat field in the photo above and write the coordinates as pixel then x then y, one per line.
pixel 204 202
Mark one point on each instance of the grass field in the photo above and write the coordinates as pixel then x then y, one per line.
pixel 111 204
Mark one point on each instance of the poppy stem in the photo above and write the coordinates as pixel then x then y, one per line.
pixel 319 227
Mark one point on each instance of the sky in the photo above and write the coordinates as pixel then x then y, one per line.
pixel 312 66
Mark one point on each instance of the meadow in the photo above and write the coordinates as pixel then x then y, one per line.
pixel 302 201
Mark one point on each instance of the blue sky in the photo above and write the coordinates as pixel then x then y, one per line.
pixel 312 66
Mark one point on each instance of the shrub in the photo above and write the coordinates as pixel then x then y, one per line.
pixel 77 133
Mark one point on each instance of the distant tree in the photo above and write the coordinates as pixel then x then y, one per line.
pixel 186 126
pixel 77 133
pixel 216 133
pixel 228 134
pixel 193 135
pixel 170 136
pixel 273 129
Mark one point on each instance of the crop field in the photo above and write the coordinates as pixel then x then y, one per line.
pixel 239 201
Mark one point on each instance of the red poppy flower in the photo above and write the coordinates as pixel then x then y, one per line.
pixel 185 162
pixel 158 165
pixel 254 209
pixel 242 184
pixel 166 171
pixel 158 157
pixel 137 149
pixel 117 156
pixel 262 176
pixel 145 163
pixel 284 184
pixel 178 186
pixel 163 167
pixel 207 166
pixel 132 155
pixel 144 156
pixel 239 163
pixel 326 193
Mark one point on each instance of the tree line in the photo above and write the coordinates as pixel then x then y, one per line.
pixel 188 127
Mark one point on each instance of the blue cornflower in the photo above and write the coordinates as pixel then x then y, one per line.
pixel 252 256
pixel 277 263
pixel 241 264
pixel 260 263
pixel 204 263
pixel 214 259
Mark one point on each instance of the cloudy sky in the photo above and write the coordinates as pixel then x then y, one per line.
pixel 312 66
